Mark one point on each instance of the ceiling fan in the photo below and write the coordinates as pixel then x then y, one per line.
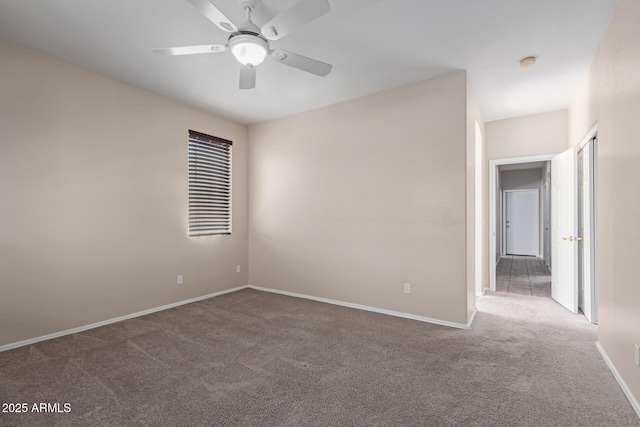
pixel 250 44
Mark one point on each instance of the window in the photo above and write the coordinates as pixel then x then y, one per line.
pixel 209 185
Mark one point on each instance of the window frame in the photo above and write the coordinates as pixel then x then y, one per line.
pixel 210 160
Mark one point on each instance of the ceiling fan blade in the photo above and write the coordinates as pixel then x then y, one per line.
pixel 294 60
pixel 298 15
pixel 247 77
pixel 211 10
pixel 191 50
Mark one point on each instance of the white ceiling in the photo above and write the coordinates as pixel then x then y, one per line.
pixel 372 44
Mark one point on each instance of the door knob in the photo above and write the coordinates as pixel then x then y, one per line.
pixel 570 238
pixel 579 238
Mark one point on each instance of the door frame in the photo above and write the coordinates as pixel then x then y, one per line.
pixel 593 190
pixel 493 165
pixel 503 223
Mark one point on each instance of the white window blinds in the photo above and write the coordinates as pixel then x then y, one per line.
pixel 209 185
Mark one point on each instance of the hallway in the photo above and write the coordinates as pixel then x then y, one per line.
pixel 523 275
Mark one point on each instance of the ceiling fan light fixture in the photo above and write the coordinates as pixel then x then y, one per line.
pixel 248 49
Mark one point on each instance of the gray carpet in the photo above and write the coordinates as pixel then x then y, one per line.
pixel 258 359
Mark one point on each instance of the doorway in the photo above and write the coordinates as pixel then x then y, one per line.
pixel 496 247
pixel 521 222
pixel 583 191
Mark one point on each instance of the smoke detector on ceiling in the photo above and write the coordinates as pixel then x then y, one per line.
pixel 528 61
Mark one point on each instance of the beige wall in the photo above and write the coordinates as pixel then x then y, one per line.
pixel 93 178
pixel 532 135
pixel 350 201
pixel 521 179
pixel 610 96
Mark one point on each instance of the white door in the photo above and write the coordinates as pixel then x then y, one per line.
pixel 522 222
pixel 564 279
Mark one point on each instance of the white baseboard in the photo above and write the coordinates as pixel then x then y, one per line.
pixel 634 403
pixel 215 294
pixel 473 316
pixel 114 320
pixel 368 308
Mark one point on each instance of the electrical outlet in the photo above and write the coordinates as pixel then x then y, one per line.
pixel 407 288
pixel 180 280
pixel 238 269
pixel 638 354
